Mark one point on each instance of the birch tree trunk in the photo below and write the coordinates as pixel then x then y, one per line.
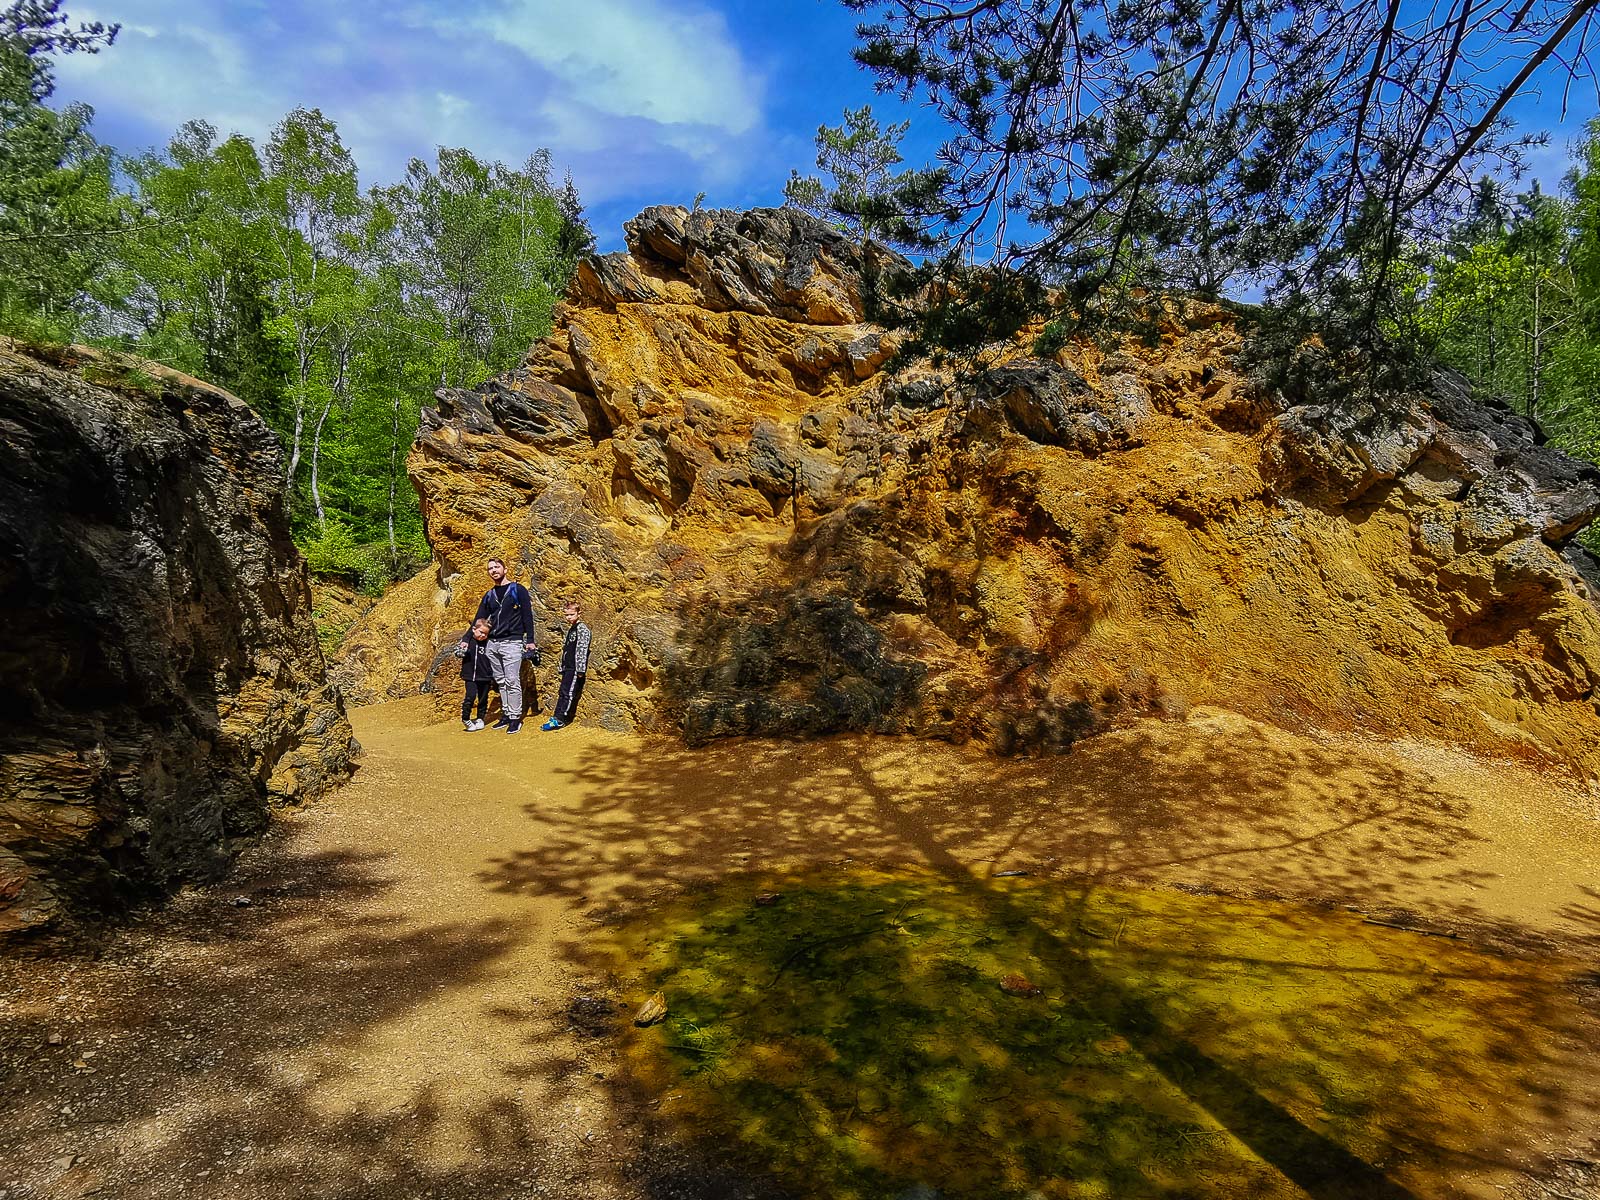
pixel 394 456
pixel 338 391
pixel 316 460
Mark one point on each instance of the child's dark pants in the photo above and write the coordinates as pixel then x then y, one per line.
pixel 479 689
pixel 567 703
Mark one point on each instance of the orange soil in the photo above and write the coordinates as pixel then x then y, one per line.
pixel 388 1015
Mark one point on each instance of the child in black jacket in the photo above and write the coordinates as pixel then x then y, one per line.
pixel 477 672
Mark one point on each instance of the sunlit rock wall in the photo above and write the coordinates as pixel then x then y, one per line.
pixel 770 534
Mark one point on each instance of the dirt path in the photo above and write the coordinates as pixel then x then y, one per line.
pixel 376 1004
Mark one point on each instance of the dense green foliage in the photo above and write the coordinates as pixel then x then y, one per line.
pixel 1513 301
pixel 334 312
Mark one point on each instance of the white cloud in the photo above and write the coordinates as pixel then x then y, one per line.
pixel 644 100
pixel 451 107
pixel 169 72
pixel 665 62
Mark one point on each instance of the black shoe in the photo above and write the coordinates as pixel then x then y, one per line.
pixel 500 724
pixel 513 726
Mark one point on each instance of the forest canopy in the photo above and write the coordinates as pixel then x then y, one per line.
pixel 333 311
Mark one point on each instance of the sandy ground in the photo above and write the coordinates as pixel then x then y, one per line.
pixel 377 1003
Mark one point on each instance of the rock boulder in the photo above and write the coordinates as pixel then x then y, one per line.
pixel 160 675
pixel 772 535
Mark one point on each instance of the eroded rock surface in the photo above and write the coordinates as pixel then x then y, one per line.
pixel 772 535
pixel 160 679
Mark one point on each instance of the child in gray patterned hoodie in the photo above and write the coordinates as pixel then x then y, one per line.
pixel 574 667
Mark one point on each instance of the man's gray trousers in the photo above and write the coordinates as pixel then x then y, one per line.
pixel 505 658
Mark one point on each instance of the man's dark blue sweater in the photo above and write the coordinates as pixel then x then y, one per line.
pixel 509 613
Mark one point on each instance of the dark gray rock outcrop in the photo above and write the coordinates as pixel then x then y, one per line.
pixel 161 684
pixel 1442 444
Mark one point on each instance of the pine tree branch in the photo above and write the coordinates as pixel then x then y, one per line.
pixel 109 232
pixel 1580 13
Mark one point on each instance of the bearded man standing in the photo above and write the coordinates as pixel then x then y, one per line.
pixel 507 608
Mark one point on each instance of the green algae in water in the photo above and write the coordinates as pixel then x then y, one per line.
pixel 854 1037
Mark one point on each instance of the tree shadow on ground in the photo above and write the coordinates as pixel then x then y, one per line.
pixel 856 1028
pixel 200 1053
pixel 1236 809
pixel 1160 799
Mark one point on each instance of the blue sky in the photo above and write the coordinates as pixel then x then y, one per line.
pixel 645 101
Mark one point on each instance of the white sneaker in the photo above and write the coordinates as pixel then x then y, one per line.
pixel 474 726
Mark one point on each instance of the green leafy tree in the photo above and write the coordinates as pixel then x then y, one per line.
pixel 862 190
pixel 334 314
pixel 196 273
pixel 345 306
pixel 455 272
pixel 58 208
pixel 1513 301
pixel 1539 240
pixel 398 383
pixel 309 202
pixel 1503 303
pixel 1583 184
pixel 1473 310
pixel 486 251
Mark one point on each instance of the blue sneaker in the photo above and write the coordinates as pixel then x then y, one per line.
pixel 552 723
pixel 514 727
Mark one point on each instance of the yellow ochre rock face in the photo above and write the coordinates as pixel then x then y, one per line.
pixel 770 534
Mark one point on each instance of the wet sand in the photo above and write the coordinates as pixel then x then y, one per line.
pixel 388 1014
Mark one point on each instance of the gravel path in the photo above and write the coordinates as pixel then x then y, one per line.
pixel 380 1001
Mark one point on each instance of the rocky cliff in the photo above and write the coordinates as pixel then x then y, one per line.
pixel 160 679
pixel 771 534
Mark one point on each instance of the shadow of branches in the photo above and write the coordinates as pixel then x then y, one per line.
pixel 1215 804
pixel 201 1053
